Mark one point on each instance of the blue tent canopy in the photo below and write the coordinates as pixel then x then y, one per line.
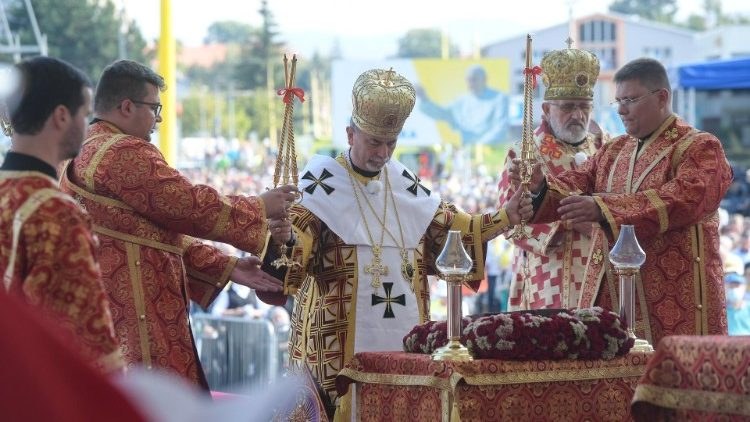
pixel 725 74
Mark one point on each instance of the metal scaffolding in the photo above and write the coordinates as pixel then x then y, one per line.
pixel 11 42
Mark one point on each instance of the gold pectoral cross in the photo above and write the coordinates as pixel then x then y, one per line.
pixel 376 268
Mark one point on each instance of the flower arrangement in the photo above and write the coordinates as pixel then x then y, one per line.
pixel 554 334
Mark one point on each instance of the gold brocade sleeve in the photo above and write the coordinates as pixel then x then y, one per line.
pixel 135 173
pixel 208 270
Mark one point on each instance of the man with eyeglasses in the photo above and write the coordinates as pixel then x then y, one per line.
pixel 147 214
pixel 549 267
pixel 667 179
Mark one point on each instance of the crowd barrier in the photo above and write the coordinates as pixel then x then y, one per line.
pixel 238 353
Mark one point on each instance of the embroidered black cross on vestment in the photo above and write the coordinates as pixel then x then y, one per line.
pixel 400 299
pixel 318 181
pixel 414 188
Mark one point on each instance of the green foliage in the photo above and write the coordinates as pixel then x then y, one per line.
pixel 654 10
pixel 82 32
pixel 664 11
pixel 424 43
pixel 233 32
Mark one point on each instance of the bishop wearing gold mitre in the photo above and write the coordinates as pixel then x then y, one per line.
pixel 549 267
pixel 366 234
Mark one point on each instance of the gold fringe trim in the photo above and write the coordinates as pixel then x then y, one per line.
pixel 704 401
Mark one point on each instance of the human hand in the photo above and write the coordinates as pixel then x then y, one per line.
pixel 247 272
pixel 278 200
pixel 579 209
pixel 584 229
pixel 281 230
pixel 537 176
pixel 519 207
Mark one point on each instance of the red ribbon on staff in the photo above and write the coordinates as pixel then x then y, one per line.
pixel 534 71
pixel 290 93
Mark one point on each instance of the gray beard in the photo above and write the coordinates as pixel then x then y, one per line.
pixel 566 135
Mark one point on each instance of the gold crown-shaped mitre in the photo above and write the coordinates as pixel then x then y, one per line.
pixel 382 100
pixel 569 73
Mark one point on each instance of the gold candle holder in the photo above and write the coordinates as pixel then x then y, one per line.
pixel 528 147
pixel 285 171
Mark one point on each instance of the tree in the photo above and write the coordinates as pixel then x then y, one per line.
pixel 231 32
pixel 654 10
pixel 424 43
pixel 262 50
pixel 82 32
pixel 713 16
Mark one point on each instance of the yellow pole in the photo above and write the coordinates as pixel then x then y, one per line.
pixel 167 65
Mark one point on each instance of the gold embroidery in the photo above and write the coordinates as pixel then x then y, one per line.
pixel 129 238
pixel 598 256
pixel 671 134
pixel 133 253
pixel 704 401
pixel 661 209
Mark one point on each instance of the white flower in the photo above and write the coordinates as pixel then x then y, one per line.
pixel 580 157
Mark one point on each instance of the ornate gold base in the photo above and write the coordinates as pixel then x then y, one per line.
pixel 283 260
pixel 641 345
pixel 454 350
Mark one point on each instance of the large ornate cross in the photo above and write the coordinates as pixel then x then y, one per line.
pixel 376 268
pixel 400 299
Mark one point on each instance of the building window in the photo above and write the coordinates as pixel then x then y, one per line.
pixel 597 31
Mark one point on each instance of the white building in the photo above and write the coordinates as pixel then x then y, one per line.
pixel 617 39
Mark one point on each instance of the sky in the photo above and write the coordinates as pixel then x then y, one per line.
pixel 370 30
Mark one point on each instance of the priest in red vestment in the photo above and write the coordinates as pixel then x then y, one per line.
pixel 47 248
pixel 148 216
pixel 549 267
pixel 667 179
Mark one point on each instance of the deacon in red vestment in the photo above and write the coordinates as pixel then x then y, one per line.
pixel 47 248
pixel 667 179
pixel 146 214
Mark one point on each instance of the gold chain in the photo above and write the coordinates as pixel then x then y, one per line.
pixel 407 270
pixel 376 268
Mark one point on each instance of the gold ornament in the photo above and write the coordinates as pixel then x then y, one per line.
pixel 381 101
pixel 569 73
pixel 285 171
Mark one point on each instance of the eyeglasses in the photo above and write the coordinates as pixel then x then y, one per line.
pixel 156 107
pixel 570 107
pixel 627 102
